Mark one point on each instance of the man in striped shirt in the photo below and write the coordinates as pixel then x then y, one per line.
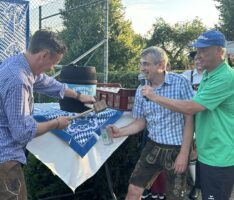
pixel 170 133
pixel 20 76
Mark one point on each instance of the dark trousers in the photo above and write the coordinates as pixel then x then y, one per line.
pixel 12 183
pixel 197 179
pixel 216 182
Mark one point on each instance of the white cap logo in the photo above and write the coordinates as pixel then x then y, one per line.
pixel 201 37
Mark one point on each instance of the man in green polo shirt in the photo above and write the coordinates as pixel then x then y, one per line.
pixel 213 107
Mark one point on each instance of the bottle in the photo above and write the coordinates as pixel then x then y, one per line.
pixel 106 138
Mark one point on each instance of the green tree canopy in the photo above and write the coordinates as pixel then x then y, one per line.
pixel 124 44
pixel 175 39
pixel 226 23
pixel 84 28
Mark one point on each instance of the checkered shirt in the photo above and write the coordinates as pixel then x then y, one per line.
pixel 164 126
pixel 17 125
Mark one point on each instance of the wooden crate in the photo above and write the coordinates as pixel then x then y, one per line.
pixel 115 96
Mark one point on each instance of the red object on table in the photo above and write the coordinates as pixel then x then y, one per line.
pixel 115 96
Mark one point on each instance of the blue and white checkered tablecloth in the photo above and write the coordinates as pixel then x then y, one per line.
pixel 82 133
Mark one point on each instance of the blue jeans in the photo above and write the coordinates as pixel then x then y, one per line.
pixel 12 183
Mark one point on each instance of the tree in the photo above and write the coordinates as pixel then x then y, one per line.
pixel 125 45
pixel 175 39
pixel 84 28
pixel 226 24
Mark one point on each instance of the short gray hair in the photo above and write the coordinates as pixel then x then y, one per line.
pixel 157 53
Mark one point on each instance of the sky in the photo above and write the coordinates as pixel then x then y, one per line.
pixel 143 13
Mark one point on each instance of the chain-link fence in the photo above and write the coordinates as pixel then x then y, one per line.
pixel 46 14
pixel 82 21
pixel 87 20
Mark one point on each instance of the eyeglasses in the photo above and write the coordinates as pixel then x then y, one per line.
pixel 145 64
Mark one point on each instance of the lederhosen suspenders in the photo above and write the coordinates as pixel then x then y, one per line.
pixel 191 78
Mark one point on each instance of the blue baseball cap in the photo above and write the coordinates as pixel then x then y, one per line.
pixel 210 38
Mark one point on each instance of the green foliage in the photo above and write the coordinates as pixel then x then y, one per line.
pixel 175 39
pixel 124 44
pixel 84 28
pixel 122 163
pixel 40 181
pixel 127 79
pixel 226 24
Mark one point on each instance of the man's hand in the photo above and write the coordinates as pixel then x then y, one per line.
pixel 79 96
pixel 113 131
pixel 62 123
pixel 86 98
pixel 59 123
pixel 181 163
pixel 148 92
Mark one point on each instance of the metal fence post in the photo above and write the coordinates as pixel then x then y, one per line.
pixel 40 18
pixel 106 21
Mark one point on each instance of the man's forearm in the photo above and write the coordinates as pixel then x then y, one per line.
pixel 44 127
pixel 187 134
pixel 187 107
pixel 71 93
pixel 135 127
